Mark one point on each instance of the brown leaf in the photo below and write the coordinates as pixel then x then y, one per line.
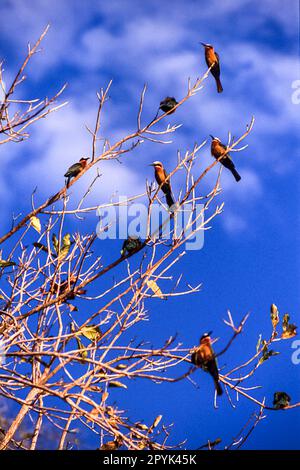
pixel 289 329
pixel 274 316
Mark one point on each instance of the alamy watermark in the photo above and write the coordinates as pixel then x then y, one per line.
pixel 2 93
pixel 120 221
pixel 2 353
pixel 296 93
pixel 296 353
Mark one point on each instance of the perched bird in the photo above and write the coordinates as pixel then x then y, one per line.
pixel 212 59
pixel 168 104
pixel 130 245
pixel 161 176
pixel 281 400
pixel 67 285
pixel 75 169
pixel 204 357
pixel 217 150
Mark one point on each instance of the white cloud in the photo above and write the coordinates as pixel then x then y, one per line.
pixel 234 223
pixel 59 142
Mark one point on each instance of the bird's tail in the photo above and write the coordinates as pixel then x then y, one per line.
pixel 235 174
pixel 219 85
pixel 214 372
pixel 169 199
pixel 218 387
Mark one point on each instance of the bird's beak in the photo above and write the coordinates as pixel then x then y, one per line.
pixel 203 44
pixel 209 333
pixel 151 164
pixel 211 136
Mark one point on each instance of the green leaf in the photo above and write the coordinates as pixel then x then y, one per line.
pixel 82 351
pixel 267 353
pixel 55 242
pixel 91 332
pixel 66 245
pixel 281 400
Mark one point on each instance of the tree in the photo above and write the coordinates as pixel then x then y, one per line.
pixel 62 368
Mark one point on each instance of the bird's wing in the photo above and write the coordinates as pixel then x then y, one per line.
pixel 167 183
pixel 227 154
pixel 73 168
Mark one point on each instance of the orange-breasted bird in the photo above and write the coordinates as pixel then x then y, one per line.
pixel 161 179
pixel 212 59
pixel 75 169
pixel 217 150
pixel 204 357
pixel 168 104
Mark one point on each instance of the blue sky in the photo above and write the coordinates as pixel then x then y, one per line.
pixel 250 257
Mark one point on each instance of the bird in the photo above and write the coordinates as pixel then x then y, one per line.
pixel 161 178
pixel 168 104
pixel 130 245
pixel 212 60
pixel 67 285
pixel 204 357
pixel 217 150
pixel 75 169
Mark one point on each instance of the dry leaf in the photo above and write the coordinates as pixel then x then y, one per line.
pixel 36 223
pixel 5 264
pixel 289 329
pixel 117 384
pixel 155 289
pixel 142 426
pixel 274 316
pixel 94 413
pixel 156 421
